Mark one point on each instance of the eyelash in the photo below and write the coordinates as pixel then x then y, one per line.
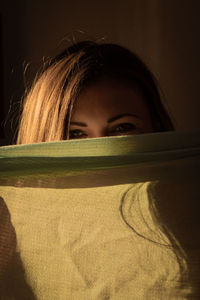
pixel 130 126
pixel 72 134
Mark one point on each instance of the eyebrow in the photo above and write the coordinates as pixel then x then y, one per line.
pixel 109 121
pixel 78 123
pixel 121 116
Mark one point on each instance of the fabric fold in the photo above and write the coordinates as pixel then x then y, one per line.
pixel 106 218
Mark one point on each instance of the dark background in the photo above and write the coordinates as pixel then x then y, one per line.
pixel 165 34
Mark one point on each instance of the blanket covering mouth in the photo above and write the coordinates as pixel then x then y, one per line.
pixel 105 218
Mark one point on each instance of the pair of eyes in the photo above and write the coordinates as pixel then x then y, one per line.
pixel 119 129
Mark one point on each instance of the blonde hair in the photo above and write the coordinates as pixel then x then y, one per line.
pixel 48 105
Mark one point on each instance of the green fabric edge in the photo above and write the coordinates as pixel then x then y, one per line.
pixel 107 146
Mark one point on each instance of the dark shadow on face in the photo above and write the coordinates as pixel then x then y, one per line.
pixel 110 108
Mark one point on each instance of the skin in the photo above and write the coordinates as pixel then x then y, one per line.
pixel 109 108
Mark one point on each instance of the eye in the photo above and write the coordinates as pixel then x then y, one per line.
pixel 124 127
pixel 76 134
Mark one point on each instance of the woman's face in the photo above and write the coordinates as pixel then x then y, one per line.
pixel 109 108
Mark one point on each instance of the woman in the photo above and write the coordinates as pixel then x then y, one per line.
pixel 94 90
pixel 92 83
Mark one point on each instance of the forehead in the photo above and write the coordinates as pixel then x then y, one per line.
pixel 111 95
